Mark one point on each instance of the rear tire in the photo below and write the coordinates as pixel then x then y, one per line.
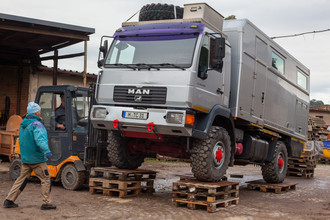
pixel 152 12
pixel 212 155
pixel 15 169
pixel 71 178
pixel 119 155
pixel 275 170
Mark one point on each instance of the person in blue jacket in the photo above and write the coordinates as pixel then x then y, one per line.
pixel 34 149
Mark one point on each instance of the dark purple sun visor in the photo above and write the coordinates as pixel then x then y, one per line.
pixel 165 31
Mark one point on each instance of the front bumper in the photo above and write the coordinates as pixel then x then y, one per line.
pixel 155 123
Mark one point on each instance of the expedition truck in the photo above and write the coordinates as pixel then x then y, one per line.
pixel 217 92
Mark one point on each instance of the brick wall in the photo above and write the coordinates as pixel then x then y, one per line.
pixel 9 86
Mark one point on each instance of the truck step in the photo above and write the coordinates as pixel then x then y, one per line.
pixel 211 197
pixel 122 174
pixel 271 187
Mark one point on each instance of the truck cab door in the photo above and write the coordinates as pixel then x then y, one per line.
pixel 209 82
pixel 59 140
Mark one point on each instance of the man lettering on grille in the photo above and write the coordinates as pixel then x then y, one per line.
pixel 34 150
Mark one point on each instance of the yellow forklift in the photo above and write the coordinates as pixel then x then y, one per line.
pixel 71 158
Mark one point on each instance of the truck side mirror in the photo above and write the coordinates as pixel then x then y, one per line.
pixel 219 53
pixel 104 48
pixel 100 63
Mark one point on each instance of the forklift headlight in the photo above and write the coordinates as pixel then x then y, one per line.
pixel 100 113
pixel 174 118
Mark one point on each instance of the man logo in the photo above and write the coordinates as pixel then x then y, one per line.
pixel 138 91
pixel 137 98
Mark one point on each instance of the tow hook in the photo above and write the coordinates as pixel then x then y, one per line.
pixel 115 123
pixel 151 126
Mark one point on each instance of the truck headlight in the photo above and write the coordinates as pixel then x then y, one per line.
pixel 100 113
pixel 174 117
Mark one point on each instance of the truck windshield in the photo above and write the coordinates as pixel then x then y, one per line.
pixel 152 52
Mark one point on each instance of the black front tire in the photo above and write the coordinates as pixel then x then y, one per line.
pixel 211 156
pixel 275 170
pixel 15 169
pixel 71 178
pixel 119 155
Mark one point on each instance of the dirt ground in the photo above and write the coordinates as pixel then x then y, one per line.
pixel 310 200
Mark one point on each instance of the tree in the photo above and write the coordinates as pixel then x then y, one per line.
pixel 314 103
pixel 231 17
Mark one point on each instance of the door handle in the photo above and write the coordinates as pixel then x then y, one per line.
pixel 219 91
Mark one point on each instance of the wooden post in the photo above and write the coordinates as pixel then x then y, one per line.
pixel 85 65
pixel 19 88
pixel 55 67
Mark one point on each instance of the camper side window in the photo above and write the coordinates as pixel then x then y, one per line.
pixel 277 62
pixel 301 80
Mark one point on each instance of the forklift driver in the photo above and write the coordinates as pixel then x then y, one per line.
pixel 60 115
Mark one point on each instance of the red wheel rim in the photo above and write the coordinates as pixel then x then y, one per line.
pixel 280 162
pixel 219 155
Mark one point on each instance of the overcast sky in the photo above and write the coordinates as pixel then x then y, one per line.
pixel 280 17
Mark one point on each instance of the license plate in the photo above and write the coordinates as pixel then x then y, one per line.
pixel 136 115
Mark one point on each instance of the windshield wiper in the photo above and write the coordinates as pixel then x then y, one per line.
pixel 125 65
pixel 149 66
pixel 171 64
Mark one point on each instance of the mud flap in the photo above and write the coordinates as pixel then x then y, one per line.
pixel 79 165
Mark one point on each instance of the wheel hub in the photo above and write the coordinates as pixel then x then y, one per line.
pixel 280 162
pixel 218 155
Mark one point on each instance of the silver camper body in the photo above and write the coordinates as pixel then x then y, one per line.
pixel 277 99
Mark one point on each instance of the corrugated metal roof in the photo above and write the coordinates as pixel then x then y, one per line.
pixel 25 39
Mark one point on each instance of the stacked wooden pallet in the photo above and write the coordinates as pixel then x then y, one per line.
pixel 271 187
pixel 316 129
pixel 324 160
pixel 303 166
pixel 211 197
pixel 121 183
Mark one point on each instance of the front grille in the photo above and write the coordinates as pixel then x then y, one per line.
pixel 132 94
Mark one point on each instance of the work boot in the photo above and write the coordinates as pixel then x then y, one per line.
pixel 47 206
pixel 9 204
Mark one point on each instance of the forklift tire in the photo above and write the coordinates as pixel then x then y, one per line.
pixel 275 170
pixel 118 153
pixel 158 11
pixel 211 156
pixel 71 178
pixel 15 169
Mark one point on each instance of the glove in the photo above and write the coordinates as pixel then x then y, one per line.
pixel 49 154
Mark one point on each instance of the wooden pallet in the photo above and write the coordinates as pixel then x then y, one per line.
pixel 195 186
pixel 271 187
pixel 122 174
pixel 120 193
pixel 208 206
pixel 204 197
pixel 324 160
pixel 194 194
pixel 120 184
pixel 299 161
pixel 300 174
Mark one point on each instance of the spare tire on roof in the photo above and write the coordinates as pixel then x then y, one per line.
pixel 158 11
